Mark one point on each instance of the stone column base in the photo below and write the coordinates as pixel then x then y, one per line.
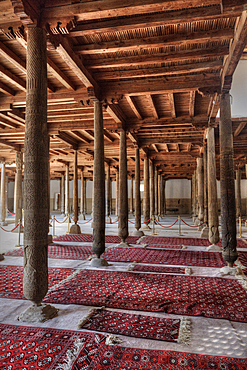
pixel 1 257
pixel 98 262
pixel 214 248
pixel 108 219
pixel 40 313
pixel 82 217
pixel 3 223
pixel 204 232
pixel 146 227
pixel 226 270
pixel 123 244
pixel 75 229
pixel 137 233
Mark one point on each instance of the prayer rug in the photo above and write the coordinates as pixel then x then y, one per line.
pixel 139 326
pixel 243 258
pixel 160 269
pixel 123 358
pixel 11 280
pixel 72 252
pixel 169 257
pixel 178 294
pixel 89 238
pixel 28 348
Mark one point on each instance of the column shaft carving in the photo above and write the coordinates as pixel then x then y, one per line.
pixel 18 178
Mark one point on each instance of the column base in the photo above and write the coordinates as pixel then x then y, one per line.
pixel 82 217
pixel 146 227
pixel 63 214
pixel 204 232
pixel 200 227
pixel 226 270
pixel 98 262
pixel 40 313
pixel 3 223
pixel 108 220
pixel 137 233
pixel 1 257
pixel 214 248
pixel 75 229
pixel 123 245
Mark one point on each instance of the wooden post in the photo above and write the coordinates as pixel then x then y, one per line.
pixel 137 232
pixel 75 229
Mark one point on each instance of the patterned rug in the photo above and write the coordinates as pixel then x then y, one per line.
pixel 178 294
pixel 160 269
pixel 89 238
pixel 138 326
pixel 171 257
pixel 11 280
pixel 123 358
pixel 29 348
pixel 72 252
pixel 163 246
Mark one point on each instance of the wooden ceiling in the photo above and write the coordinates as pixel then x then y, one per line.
pixel 158 66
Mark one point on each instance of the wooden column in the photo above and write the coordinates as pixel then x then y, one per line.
pixel 137 232
pixel 62 192
pixel 238 193
pixel 159 194
pixel 3 196
pixel 98 187
pixel 67 211
pixel 156 211
pixel 213 218
pixel 35 270
pixel 117 194
pixel 108 194
pixel 161 197
pixel 131 194
pixel 227 186
pixel 146 200
pixel 164 196
pixel 18 185
pixel 204 233
pixel 75 229
pixel 200 189
pixel 151 173
pixel 85 197
pixel 193 196
pixel 82 208
pixel 123 190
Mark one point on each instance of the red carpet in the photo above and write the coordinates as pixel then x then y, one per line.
pixel 72 252
pixel 178 294
pixel 30 348
pixel 11 280
pixel 138 326
pixel 169 257
pixel 123 358
pixel 89 238
pixel 160 269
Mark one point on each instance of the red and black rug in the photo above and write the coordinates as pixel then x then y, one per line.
pixel 178 294
pixel 159 269
pixel 169 257
pixel 138 326
pixel 89 238
pixel 72 252
pixel 29 348
pixel 123 358
pixel 11 280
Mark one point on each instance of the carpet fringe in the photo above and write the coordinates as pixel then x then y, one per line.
pixel 71 355
pixel 54 287
pixel 130 267
pixel 188 271
pixel 113 340
pixel 140 239
pixel 85 318
pixel 184 334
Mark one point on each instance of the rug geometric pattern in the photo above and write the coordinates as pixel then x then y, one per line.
pixel 178 294
pixel 124 358
pixel 11 280
pixel 30 348
pixel 160 269
pixel 139 326
pixel 72 252
pixel 89 238
pixel 171 257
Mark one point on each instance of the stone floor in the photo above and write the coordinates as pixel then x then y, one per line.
pixel 208 336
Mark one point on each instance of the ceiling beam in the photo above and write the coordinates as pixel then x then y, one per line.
pixel 172 105
pixel 133 106
pixel 192 103
pixel 240 127
pixel 152 106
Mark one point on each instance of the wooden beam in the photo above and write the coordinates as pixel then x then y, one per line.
pixel 240 127
pixel 107 136
pixel 15 80
pixel 6 90
pixel 155 148
pixel 192 103
pixel 133 106
pixel 152 106
pixel 11 145
pixel 6 122
pixel 172 105
pixel 67 139
pixel 60 76
pixel 167 147
pixel 116 113
pixel 12 57
pixel 133 138
pixel 81 137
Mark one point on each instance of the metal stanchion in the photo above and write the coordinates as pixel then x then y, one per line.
pixel 53 226
pixel 240 226
pixel 19 235
pixel 179 226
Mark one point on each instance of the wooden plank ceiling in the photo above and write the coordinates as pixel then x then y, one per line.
pixel 158 66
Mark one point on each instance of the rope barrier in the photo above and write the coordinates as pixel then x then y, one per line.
pixel 131 222
pixel 83 223
pixel 9 231
pixel 145 222
pixel 192 225
pixel 166 227
pixel 13 214
pixel 61 222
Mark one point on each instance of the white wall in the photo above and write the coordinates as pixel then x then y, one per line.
pixel 239 90
pixel 180 188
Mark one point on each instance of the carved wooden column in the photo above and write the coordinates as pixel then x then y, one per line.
pixel 117 195
pixel 159 194
pixel 62 192
pixel 67 211
pixel 35 271
pixel 85 196
pixel 3 195
pixel 156 210
pixel 204 232
pixel 82 207
pixel 98 188
pixel 123 191
pixel 238 193
pixel 146 200
pixel 151 173
pixel 213 218
pixel 18 185
pixel 227 186
pixel 131 194
pixel 137 232
pixel 75 229
pixel 193 196
pixel 108 194
pixel 164 196
pixel 200 173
